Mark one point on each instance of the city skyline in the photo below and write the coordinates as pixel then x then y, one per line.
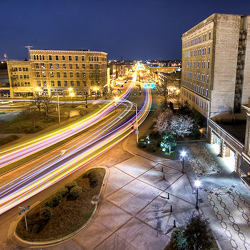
pixel 129 30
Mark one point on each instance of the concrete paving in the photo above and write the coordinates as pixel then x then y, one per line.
pixel 134 212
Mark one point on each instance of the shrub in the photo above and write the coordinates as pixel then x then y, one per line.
pixel 75 192
pixel 8 139
pixel 93 180
pixel 70 185
pixel 54 201
pixel 63 191
pixel 178 239
pixel 45 213
pixel 198 234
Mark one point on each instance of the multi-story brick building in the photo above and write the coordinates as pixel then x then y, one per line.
pixel 55 71
pixel 216 64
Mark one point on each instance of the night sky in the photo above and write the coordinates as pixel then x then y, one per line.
pixel 129 29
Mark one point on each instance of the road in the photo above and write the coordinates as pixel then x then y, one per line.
pixel 79 152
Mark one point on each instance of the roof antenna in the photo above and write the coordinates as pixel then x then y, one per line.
pixel 28 47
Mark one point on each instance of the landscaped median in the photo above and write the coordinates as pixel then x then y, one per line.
pixel 64 213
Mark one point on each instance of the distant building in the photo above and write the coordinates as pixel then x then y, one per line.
pixel 4 80
pixel 216 64
pixel 155 70
pixel 55 71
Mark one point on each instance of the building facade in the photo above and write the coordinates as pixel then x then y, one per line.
pixel 4 80
pixel 55 71
pixel 216 64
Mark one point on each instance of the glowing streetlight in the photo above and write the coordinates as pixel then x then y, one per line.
pixel 70 89
pixel 183 154
pixel 197 184
pixel 72 94
pixel 116 98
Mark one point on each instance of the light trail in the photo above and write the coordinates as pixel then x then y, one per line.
pixel 38 181
pixel 19 151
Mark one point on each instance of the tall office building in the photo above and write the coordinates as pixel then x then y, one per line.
pixel 216 64
pixel 55 71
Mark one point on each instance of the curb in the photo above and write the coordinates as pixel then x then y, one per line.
pixel 38 244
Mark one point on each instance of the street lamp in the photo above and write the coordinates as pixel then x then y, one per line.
pixel 23 210
pixel 136 115
pixel 58 108
pixel 116 99
pixel 197 184
pixel 72 94
pixel 183 154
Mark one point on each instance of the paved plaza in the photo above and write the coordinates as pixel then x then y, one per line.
pixel 134 212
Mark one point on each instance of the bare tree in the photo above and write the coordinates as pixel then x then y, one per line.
pixel 179 125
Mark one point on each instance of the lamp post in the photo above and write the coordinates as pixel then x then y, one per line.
pixel 183 154
pixel 197 184
pixel 23 210
pixel 116 99
pixel 58 108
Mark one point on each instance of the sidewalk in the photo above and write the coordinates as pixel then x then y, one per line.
pixel 135 210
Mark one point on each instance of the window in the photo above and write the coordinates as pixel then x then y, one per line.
pixel 34 57
pixel 70 58
pixel 57 66
pixel 96 66
pixel 64 66
pixel 43 74
pixel 72 83
pixel 44 84
pixel 64 74
pixel 91 66
pixel 83 66
pixel 51 74
pixel 208 64
pixel 83 74
pixel 37 74
pixel 207 79
pixel 206 92
pixel 58 74
pixel 70 66
pixel 50 57
pixel 63 58
pixel 208 50
pixel 52 83
pixel 78 84
pixel 42 66
pixel 77 66
pixel 65 83
pixel 36 65
pixel 51 66
pixel 92 83
pixel 84 83
pixel 77 74
pixel 82 58
pixel 76 57
pixel 71 74
pixel 209 36
pixel 59 83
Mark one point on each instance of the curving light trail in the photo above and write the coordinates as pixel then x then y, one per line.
pixel 41 178
pixel 19 151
